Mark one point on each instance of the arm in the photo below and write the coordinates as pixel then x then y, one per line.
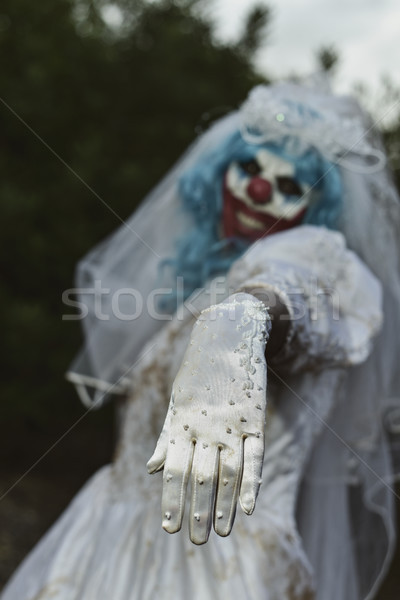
pixel 214 429
pixel 303 295
pixel 278 315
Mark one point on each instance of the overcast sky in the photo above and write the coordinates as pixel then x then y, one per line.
pixel 365 32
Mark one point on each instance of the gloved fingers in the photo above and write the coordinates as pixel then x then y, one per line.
pixel 252 471
pixel 204 483
pixel 230 474
pixel 176 474
pixel 156 462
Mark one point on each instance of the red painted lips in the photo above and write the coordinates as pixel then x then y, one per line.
pixel 240 220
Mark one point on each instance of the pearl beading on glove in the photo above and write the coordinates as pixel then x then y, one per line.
pixel 214 429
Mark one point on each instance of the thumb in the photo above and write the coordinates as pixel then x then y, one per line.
pixel 156 462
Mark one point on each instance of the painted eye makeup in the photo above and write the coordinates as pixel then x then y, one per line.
pixel 288 186
pixel 251 167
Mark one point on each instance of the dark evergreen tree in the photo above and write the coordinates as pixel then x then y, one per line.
pixel 91 117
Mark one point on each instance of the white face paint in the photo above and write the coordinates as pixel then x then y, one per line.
pixel 286 199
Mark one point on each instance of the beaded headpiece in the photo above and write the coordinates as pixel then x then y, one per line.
pixel 272 114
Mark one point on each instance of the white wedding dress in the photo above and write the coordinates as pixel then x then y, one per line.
pixel 109 544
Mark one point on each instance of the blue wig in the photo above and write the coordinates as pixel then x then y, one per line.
pixel 201 253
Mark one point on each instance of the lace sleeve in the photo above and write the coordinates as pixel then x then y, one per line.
pixel 333 300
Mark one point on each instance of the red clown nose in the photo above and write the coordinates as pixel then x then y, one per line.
pixel 259 190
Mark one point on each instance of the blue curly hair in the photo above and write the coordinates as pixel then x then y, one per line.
pixel 201 253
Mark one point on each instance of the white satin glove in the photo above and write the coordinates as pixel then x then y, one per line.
pixel 214 429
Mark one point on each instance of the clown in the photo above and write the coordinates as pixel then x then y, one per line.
pixel 264 193
pixel 244 191
pixel 278 248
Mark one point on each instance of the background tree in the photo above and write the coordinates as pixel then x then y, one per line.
pixel 117 105
pixel 327 58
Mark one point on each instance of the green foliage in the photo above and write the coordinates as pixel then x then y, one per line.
pixel 254 30
pixel 327 58
pixel 117 106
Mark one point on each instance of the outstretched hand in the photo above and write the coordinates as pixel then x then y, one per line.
pixel 214 429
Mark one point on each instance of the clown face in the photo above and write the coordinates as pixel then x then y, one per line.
pixel 262 196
